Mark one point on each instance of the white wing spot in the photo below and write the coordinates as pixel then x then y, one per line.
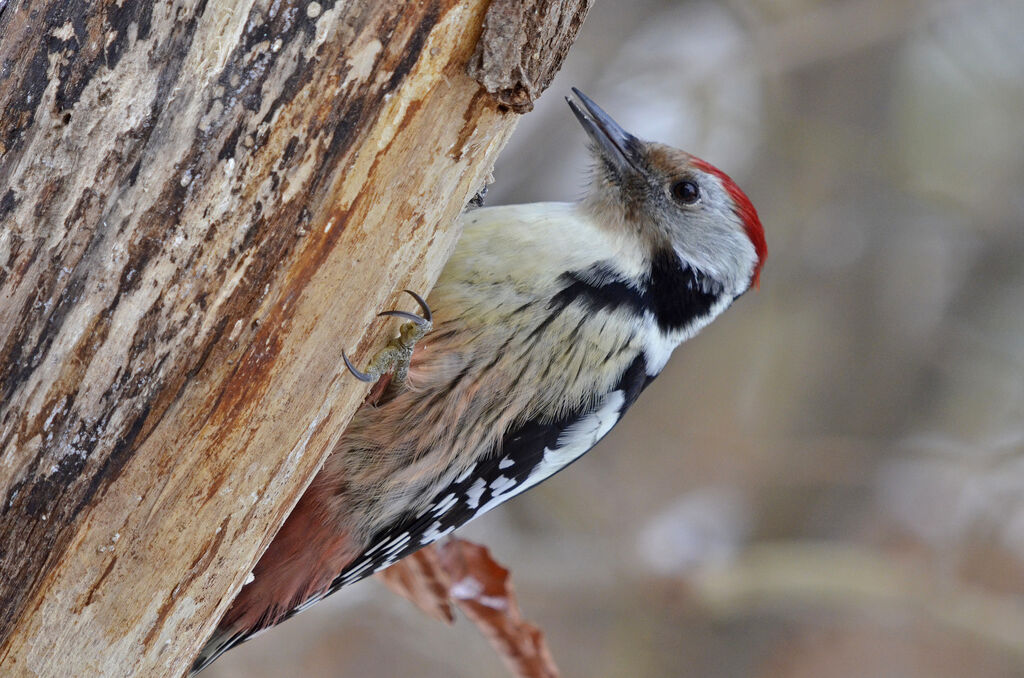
pixel 397 543
pixel 501 484
pixel 474 493
pixel 428 535
pixel 434 533
pixel 445 504
pixel 465 474
pixel 362 566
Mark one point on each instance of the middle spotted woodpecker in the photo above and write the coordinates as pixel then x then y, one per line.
pixel 548 322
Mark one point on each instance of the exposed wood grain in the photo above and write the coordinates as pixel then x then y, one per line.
pixel 200 205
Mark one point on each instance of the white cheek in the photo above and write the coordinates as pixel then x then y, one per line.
pixel 658 347
pixel 720 249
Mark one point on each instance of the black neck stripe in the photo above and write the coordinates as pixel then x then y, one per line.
pixel 676 293
pixel 673 292
pixel 599 290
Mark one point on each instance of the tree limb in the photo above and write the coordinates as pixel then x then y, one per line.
pixel 200 204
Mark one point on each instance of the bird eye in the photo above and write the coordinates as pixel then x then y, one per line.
pixel 686 192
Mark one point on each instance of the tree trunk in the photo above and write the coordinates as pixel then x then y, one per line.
pixel 201 203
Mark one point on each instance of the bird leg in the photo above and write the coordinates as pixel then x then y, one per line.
pixel 396 355
pixel 477 200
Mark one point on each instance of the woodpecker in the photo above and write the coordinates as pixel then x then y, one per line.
pixel 544 327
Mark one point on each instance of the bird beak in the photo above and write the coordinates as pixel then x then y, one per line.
pixel 620 147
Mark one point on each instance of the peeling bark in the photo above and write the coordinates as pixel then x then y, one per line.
pixel 200 204
pixel 522 46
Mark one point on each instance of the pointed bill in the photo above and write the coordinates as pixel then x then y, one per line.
pixel 616 144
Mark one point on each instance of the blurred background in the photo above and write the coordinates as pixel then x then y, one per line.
pixel 828 481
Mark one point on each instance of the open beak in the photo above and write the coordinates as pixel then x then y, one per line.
pixel 620 147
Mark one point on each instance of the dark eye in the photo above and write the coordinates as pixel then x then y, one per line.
pixel 685 192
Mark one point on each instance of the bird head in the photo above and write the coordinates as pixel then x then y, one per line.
pixel 672 201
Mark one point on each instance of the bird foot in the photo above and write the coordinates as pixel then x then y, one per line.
pixel 396 355
pixel 477 200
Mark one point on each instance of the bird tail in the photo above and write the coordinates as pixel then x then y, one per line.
pixel 300 563
pixel 221 641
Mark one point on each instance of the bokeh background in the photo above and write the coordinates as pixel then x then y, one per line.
pixel 829 481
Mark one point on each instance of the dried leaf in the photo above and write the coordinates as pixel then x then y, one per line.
pixel 483 591
pixel 421 579
pixel 464 573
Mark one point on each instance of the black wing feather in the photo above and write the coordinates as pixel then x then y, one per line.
pixel 461 500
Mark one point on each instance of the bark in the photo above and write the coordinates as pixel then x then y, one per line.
pixel 522 46
pixel 200 204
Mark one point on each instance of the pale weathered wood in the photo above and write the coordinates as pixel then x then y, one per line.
pixel 201 203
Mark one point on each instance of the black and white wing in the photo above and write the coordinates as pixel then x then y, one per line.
pixel 529 454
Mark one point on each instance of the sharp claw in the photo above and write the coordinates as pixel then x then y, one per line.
pixel 361 376
pixel 423 305
pixel 408 316
pixel 399 348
